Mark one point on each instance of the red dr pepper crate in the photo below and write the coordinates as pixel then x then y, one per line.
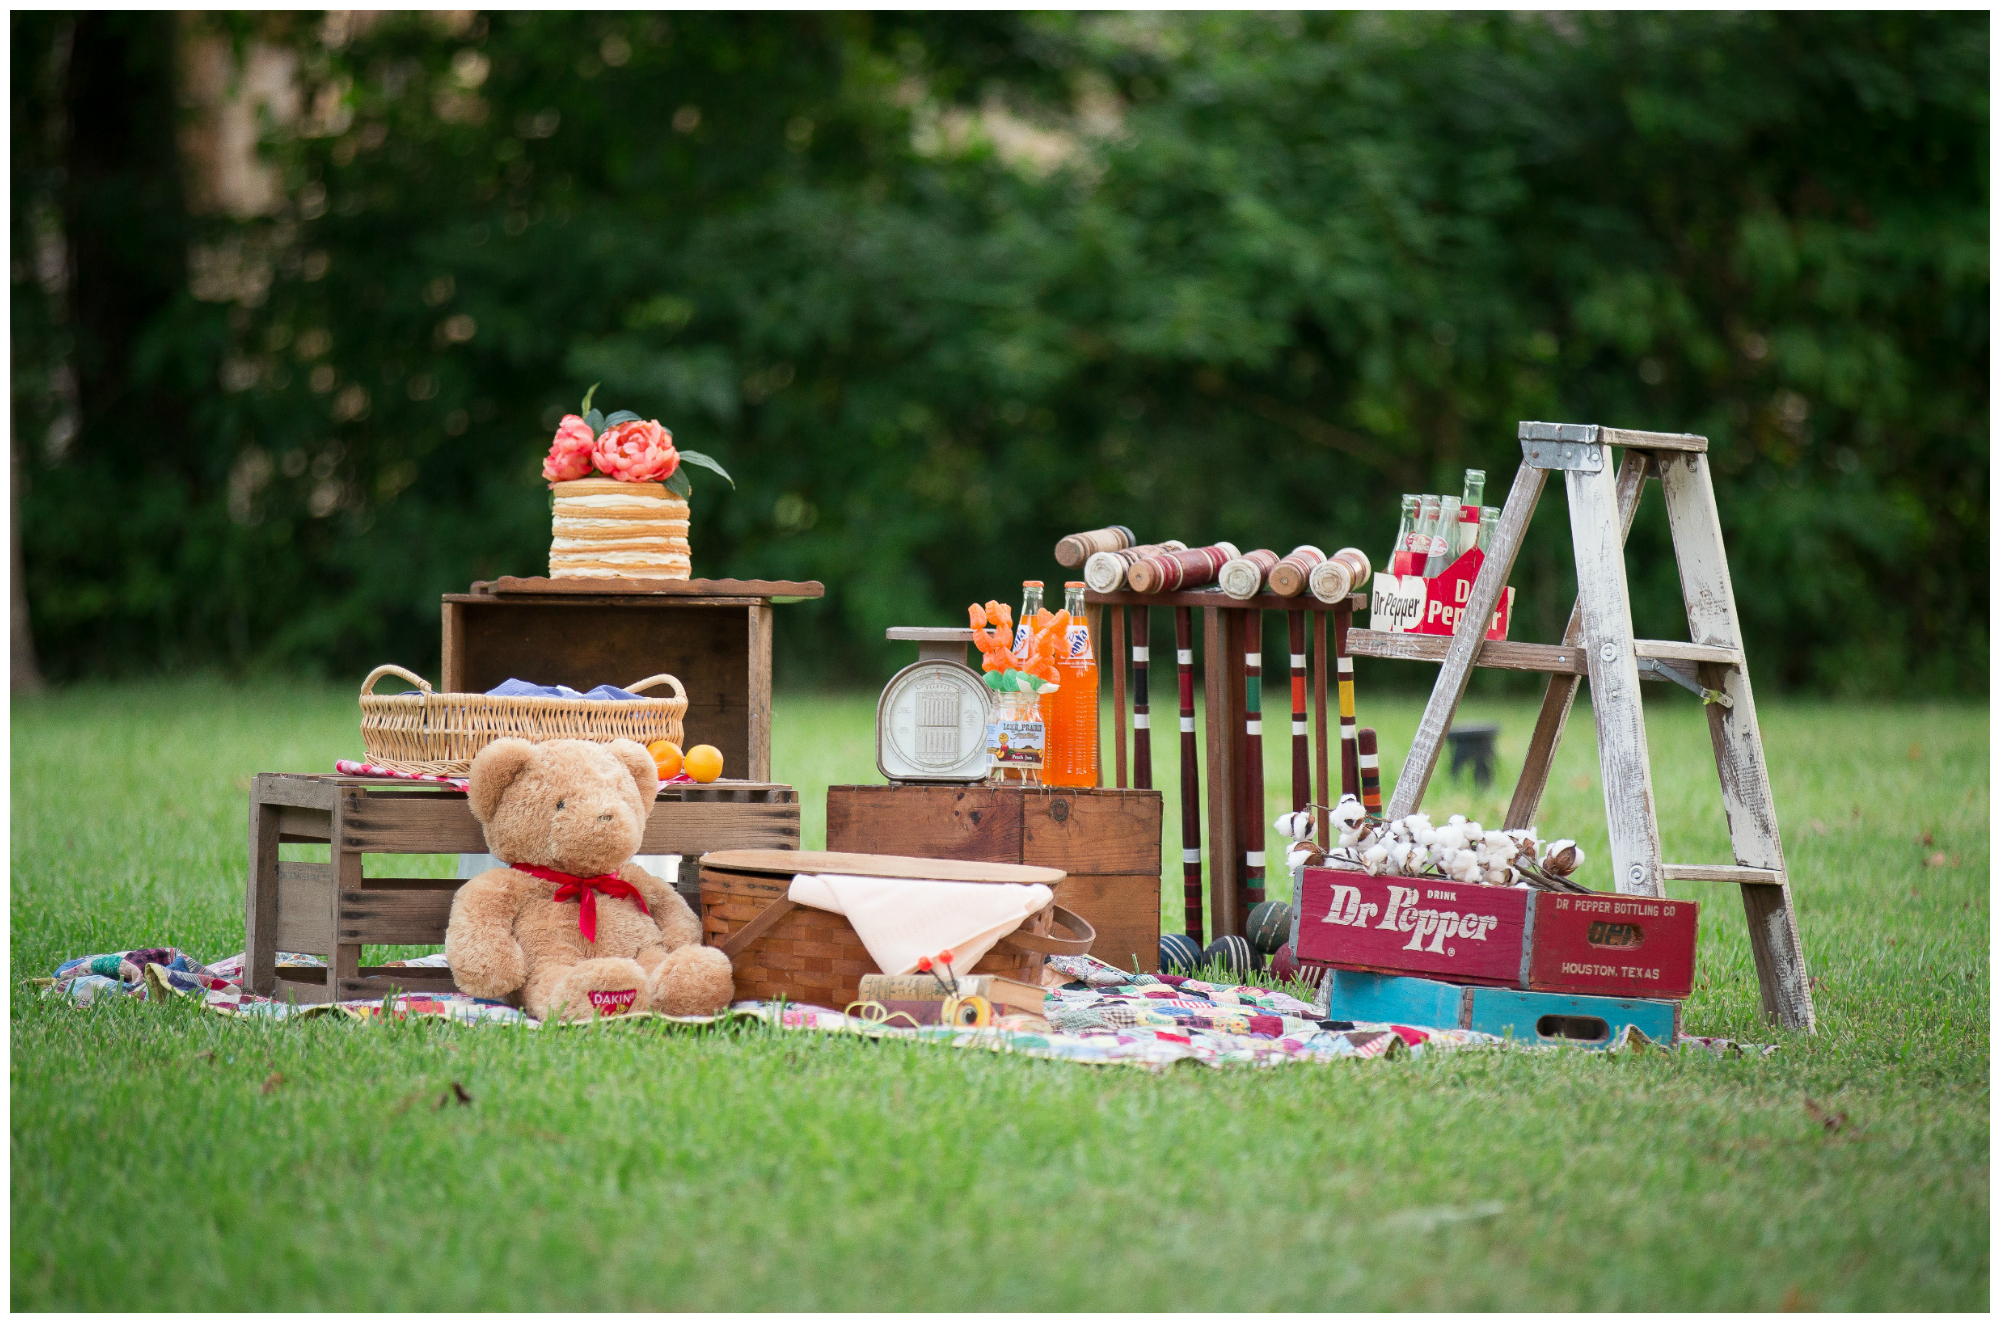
pixel 1546 941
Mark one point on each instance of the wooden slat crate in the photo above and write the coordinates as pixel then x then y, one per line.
pixel 330 909
pixel 1106 842
pixel 1531 1017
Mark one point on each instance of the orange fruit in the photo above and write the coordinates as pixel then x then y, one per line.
pixel 666 757
pixel 704 763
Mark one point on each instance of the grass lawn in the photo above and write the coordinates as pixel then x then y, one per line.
pixel 164 1158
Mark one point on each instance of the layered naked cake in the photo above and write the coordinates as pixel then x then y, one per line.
pixel 618 530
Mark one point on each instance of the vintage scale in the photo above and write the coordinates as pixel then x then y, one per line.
pixel 930 724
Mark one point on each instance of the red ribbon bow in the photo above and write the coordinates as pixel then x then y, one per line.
pixel 584 890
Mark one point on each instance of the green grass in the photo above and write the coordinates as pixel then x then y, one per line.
pixel 745 1169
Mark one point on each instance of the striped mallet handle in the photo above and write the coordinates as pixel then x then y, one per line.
pixel 1078 547
pixel 1174 570
pixel 1105 571
pixel 1288 576
pixel 1142 720
pixel 1190 776
pixel 1243 578
pixel 1253 829
pixel 1301 747
pixel 1350 756
pixel 1371 771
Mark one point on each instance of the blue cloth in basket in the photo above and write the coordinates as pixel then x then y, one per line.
pixel 522 689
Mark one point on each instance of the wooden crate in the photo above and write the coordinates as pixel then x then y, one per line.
pixel 801 954
pixel 1531 1017
pixel 1107 842
pixel 330 909
pixel 714 635
pixel 1595 944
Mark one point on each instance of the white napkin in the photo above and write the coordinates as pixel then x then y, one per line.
pixel 901 921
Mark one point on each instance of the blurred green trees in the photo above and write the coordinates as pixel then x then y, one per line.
pixel 938 289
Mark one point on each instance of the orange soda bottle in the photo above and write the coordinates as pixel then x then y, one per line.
pixel 1071 759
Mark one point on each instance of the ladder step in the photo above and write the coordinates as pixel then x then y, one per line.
pixel 1749 877
pixel 1631 440
pixel 1667 650
pixel 1493 654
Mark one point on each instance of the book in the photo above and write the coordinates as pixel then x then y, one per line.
pixel 924 996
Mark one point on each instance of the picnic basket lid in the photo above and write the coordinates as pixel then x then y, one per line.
pixel 790 862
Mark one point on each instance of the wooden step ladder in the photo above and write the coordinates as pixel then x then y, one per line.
pixel 1599 643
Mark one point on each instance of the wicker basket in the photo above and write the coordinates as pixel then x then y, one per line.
pixel 814 956
pixel 439 733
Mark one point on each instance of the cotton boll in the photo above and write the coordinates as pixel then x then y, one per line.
pixel 1348 812
pixel 1563 858
pixel 1373 858
pixel 1347 838
pixel 1399 855
pixel 1474 832
pixel 1427 836
pixel 1419 857
pixel 1497 876
pixel 1456 820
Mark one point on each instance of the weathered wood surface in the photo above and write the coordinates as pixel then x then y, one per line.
pixel 1768 877
pixel 1492 654
pixel 1117 660
pixel 1634 440
pixel 786 863
pixel 1221 688
pixel 1084 833
pixel 757 767
pixel 1124 908
pixel 1668 650
pixel 293 791
pixel 442 824
pixel 1615 702
pixel 401 917
pixel 538 585
pixel 946 822
pixel 260 899
pixel 1456 671
pixel 1739 747
pixel 1560 696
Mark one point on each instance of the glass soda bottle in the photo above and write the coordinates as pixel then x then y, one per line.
pixel 1031 602
pixel 1444 538
pixel 1489 520
pixel 1072 749
pixel 1420 541
pixel 1399 553
pixel 1468 511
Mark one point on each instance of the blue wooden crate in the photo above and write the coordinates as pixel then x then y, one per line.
pixel 1533 1017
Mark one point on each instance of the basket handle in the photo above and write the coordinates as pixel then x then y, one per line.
pixel 652 680
pixel 1078 943
pixel 368 685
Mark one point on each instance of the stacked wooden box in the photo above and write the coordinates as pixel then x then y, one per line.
pixel 1107 842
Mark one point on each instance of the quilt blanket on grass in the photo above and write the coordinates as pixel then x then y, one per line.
pixel 1101 1016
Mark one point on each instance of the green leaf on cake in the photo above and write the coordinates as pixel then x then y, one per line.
pixel 696 457
pixel 594 421
pixel 622 416
pixel 585 409
pixel 678 484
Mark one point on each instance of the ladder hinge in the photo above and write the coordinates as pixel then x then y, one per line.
pixel 1654 666
pixel 1573 447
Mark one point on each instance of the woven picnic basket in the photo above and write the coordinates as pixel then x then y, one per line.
pixel 439 733
pixel 800 954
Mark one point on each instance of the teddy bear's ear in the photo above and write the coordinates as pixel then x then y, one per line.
pixel 494 769
pixel 645 772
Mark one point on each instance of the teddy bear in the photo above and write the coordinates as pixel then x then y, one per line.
pixel 571 924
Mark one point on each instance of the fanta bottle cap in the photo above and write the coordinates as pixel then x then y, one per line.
pixel 1031 583
pixel 1075 583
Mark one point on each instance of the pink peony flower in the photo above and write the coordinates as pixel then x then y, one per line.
pixel 638 451
pixel 569 457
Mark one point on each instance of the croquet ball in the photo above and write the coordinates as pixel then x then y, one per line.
pixel 1178 953
pixel 1236 956
pixel 1285 967
pixel 1270 926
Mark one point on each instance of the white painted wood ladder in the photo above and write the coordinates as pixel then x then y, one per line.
pixel 1601 507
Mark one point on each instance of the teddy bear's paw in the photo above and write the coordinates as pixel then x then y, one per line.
pixel 602 987
pixel 693 980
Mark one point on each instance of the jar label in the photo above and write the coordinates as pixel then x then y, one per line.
pixel 1016 743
